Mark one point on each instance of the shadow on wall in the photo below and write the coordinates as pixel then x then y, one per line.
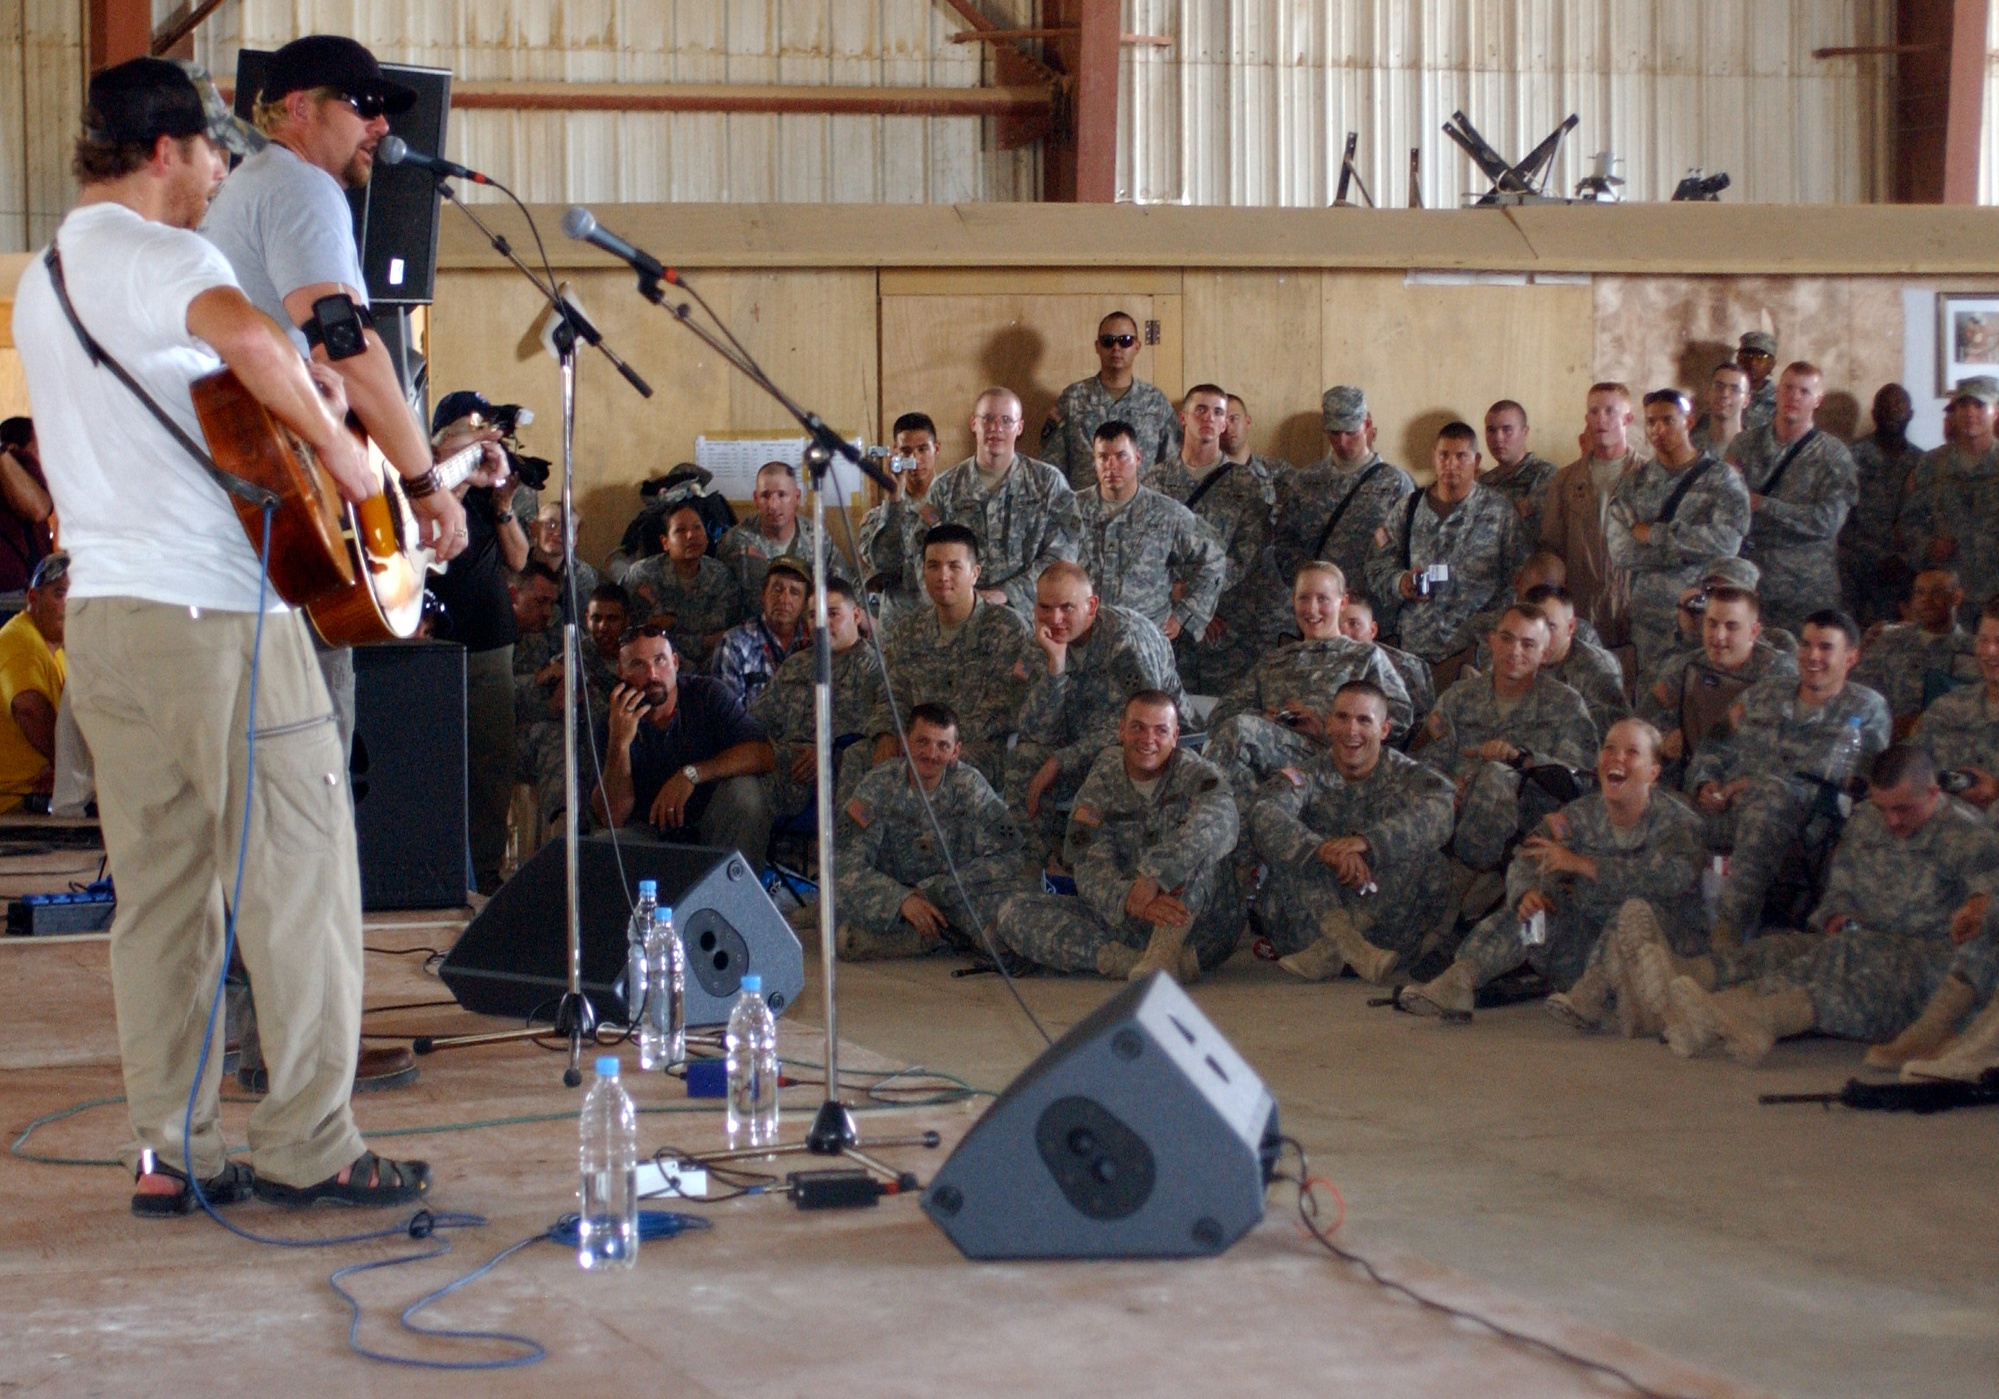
pixel 1300 439
pixel 1014 357
pixel 1839 415
pixel 1696 365
pixel 1419 441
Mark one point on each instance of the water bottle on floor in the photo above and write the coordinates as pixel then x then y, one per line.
pixel 752 1063
pixel 607 1229
pixel 663 1029
pixel 636 932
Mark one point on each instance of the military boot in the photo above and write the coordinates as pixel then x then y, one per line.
pixel 1451 992
pixel 1115 960
pixel 1966 1061
pixel 1929 1032
pixel 1162 953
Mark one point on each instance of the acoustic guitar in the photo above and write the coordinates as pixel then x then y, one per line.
pixel 356 570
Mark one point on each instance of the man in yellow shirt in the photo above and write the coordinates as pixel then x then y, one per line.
pixel 32 672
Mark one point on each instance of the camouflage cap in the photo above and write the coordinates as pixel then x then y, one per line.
pixel 1343 409
pixel 1735 572
pixel 1982 387
pixel 1761 341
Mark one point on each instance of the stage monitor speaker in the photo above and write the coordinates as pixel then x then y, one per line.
pixel 407 769
pixel 1139 1134
pixel 513 958
pixel 395 215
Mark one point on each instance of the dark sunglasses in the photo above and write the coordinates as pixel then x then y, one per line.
pixel 366 107
pixel 1117 342
pixel 644 629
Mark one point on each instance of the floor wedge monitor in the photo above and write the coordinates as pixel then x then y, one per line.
pixel 513 957
pixel 1139 1134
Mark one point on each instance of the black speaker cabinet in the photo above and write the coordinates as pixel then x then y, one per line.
pixel 1139 1134
pixel 513 958
pixel 407 769
pixel 395 217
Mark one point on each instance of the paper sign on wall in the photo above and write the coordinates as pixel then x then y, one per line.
pixel 734 462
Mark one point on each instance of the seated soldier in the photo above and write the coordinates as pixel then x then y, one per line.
pixel 681 759
pixel 1722 573
pixel 1272 719
pixel 1149 839
pixel 891 537
pixel 1625 841
pixel 1441 558
pixel 1487 731
pixel 537 674
pixel 1913 663
pixel 1353 838
pixel 1772 771
pixel 961 651
pixel 606 615
pixel 1093 657
pixel 774 532
pixel 1357 624
pixel 1689 698
pixel 693 595
pixel 1582 665
pixel 1146 550
pixel 1912 877
pixel 897 894
pixel 750 653
pixel 786 709
pixel 32 672
pixel 1961 730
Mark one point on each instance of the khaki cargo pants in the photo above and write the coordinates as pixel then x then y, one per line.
pixel 162 695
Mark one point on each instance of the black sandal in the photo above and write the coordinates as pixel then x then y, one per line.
pixel 232 1186
pixel 395 1183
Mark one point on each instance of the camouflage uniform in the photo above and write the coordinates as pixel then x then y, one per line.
pixel 748 656
pixel 1709 521
pixel 1657 861
pixel 1180 836
pixel 1073 716
pixel 1087 405
pixel 1403 808
pixel 1792 534
pixel 1024 524
pixel 1782 752
pixel 1961 730
pixel 1953 495
pixel 539 732
pixel 1588 669
pixel 786 709
pixel 1691 694
pixel 1137 551
pixel 710 602
pixel 1310 499
pixel 1866 547
pixel 887 849
pixel 982 673
pixel 1873 977
pixel 1415 673
pixel 891 542
pixel 1249 746
pixel 1525 486
pixel 1235 508
pixel 1479 540
pixel 1761 409
pixel 1908 665
pixel 745 552
pixel 1550 723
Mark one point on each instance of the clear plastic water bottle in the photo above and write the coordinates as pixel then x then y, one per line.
pixel 607 1230
pixel 636 932
pixel 1844 759
pixel 1713 878
pixel 663 1030
pixel 752 1063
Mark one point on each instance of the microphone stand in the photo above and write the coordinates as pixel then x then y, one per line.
pixel 575 1017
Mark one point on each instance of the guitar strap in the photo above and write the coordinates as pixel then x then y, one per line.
pixel 246 491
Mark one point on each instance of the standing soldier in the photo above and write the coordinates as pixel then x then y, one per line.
pixel 1331 509
pixel 1516 473
pixel 1354 841
pixel 891 538
pixel 1112 392
pixel 1801 483
pixel 897 895
pixel 1021 510
pixel 1720 422
pixel 1950 514
pixel 1577 505
pixel 1756 357
pixel 1871 567
pixel 1149 840
pixel 1147 551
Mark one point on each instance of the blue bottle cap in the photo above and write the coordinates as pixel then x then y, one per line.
pixel 665 913
pixel 648 889
pixel 753 982
pixel 607 1066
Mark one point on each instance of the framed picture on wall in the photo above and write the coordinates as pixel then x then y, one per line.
pixel 1967 337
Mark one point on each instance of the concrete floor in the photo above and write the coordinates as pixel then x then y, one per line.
pixel 1597 1192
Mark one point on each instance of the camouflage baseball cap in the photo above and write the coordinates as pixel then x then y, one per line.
pixel 1982 387
pixel 1343 409
pixel 1735 572
pixel 1761 341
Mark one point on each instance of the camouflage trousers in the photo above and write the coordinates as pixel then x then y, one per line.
pixel 1216 667
pixel 540 767
pixel 1494 947
pixel 1977 962
pixel 1866 985
pixel 1770 814
pixel 1249 749
pixel 872 928
pixel 1655 629
pixel 1043 832
pixel 1064 933
pixel 1500 805
pixel 788 797
pixel 1406 904
pixel 1762 957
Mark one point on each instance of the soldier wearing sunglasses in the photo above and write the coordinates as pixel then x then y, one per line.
pixel 1112 392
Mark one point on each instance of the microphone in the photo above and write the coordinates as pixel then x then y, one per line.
pixel 579 223
pixel 394 150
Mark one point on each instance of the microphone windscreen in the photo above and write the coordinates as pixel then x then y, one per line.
pixel 579 223
pixel 392 150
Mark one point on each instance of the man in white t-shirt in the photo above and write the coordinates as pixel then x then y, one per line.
pixel 166 632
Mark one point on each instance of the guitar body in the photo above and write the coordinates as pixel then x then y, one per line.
pixel 355 569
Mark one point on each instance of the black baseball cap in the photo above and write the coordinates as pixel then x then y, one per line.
pixel 143 99
pixel 335 61
pixel 460 403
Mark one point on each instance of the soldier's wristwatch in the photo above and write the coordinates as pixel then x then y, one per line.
pixel 693 777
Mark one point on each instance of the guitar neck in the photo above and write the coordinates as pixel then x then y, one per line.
pixel 454 469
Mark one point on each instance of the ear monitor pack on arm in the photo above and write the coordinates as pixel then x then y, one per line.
pixel 339 324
